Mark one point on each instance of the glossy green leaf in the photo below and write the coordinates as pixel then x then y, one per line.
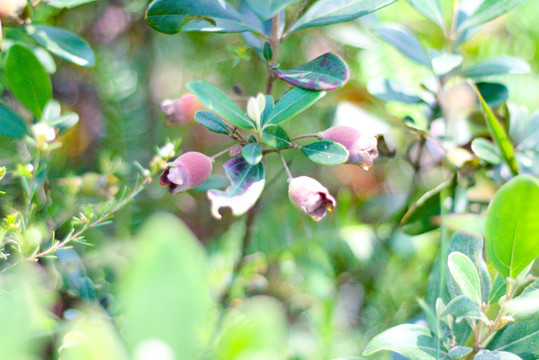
pixel 275 137
pixel 486 151
pixel 270 103
pixel 430 9
pixel 494 94
pixel 326 12
pixel 326 72
pixel 499 136
pixel 211 122
pixel 28 79
pixel 495 355
pixel 412 341
pixel 389 90
pixel 246 184
pixel 458 352
pixel 63 43
pixel 252 153
pixel 462 307
pixel 489 10
pixel 11 125
pixel 291 104
pixel 170 16
pixel 326 152
pixel 520 338
pixel 465 274
pixel 267 51
pixel 498 66
pixel 418 218
pixel 499 288
pixel 512 228
pixel 404 41
pixel 69 4
pixel 268 8
pixel 167 275
pixel 216 100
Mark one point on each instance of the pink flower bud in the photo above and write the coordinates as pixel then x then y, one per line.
pixel 188 171
pixel 363 149
pixel 311 197
pixel 181 111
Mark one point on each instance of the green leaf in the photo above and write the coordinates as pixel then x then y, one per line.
pixel 495 355
pixel 418 218
pixel 499 136
pixel 389 90
pixel 486 151
pixel 443 63
pixel 326 12
pixel 525 306
pixel 65 122
pixel 498 66
pixel 404 41
pixel 170 16
pixel 462 307
pixel 211 122
pixel 326 72
pixel 252 153
pixel 69 4
pixel 266 9
pixel 63 43
pixel 11 125
pixel 267 51
pixel 465 274
pixel 275 137
pixel 494 94
pixel 489 10
pixel 512 226
pixel 520 338
pixel 167 275
pixel 216 100
pixel 430 9
pixel 291 104
pixel 499 288
pixel 28 79
pixel 458 352
pixel 412 341
pixel 326 152
pixel 246 184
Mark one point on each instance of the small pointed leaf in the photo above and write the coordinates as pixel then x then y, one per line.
pixel 498 66
pixel 211 122
pixel 252 153
pixel 462 307
pixel 431 9
pixel 404 41
pixel 291 104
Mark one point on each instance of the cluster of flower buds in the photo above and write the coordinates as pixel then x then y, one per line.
pixel 192 169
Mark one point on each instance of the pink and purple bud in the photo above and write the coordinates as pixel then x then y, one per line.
pixel 188 171
pixel 181 111
pixel 362 149
pixel 311 197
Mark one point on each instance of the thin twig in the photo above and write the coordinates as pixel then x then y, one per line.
pixel 285 166
pixel 296 16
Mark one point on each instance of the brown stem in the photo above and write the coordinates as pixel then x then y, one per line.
pixel 296 16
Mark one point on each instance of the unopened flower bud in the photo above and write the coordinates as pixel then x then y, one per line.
pixel 188 171
pixel 255 108
pixel 362 149
pixel 166 151
pixel 181 111
pixel 311 197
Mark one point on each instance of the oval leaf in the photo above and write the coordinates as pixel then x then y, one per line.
pixel 211 122
pixel 216 100
pixel 458 352
pixel 11 124
pixel 326 72
pixel 326 152
pixel 405 41
pixel 431 9
pixel 268 8
pixel 512 228
pixel 326 12
pixel 520 338
pixel 28 79
pixel 291 104
pixel 462 307
pixel 63 43
pixel 389 90
pixel 412 341
pixel 465 274
pixel 489 10
pixel 275 137
pixel 494 94
pixel 247 182
pixel 498 66
pixel 495 355
pixel 486 151
pixel 252 153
